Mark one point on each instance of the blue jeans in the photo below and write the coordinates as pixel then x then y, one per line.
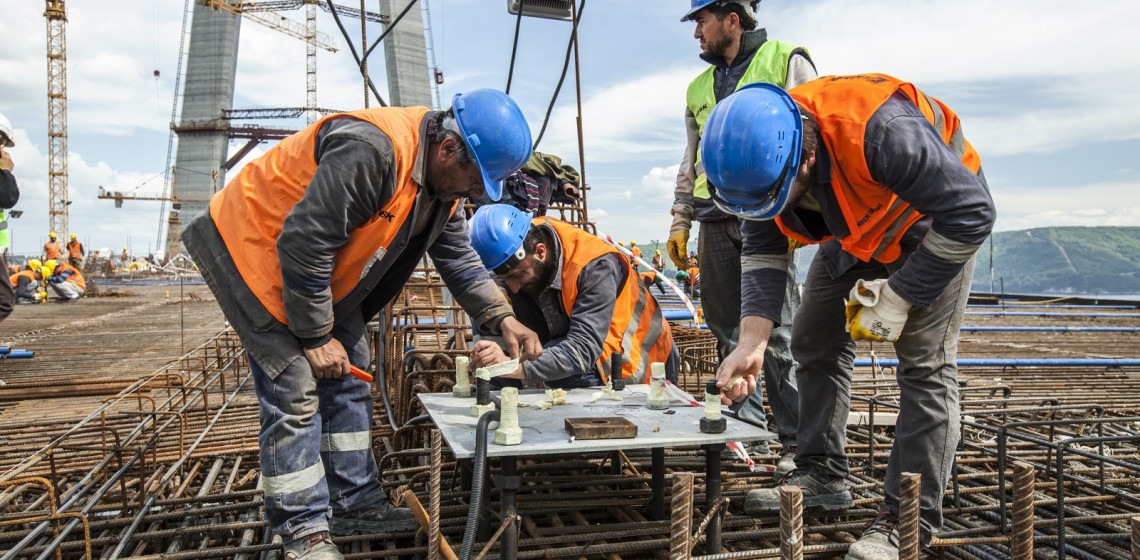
pixel 316 452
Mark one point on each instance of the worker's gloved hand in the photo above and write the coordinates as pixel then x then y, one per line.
pixel 678 244
pixel 875 312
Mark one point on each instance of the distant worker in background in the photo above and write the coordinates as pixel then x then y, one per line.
pixel 635 253
pixel 651 277
pixel 739 53
pixel 693 261
pixel 659 261
pixel 124 259
pixel 75 252
pixel 9 196
pixel 53 251
pixel 884 173
pixel 578 293
pixel 26 283
pixel 307 244
pixel 542 181
pixel 65 280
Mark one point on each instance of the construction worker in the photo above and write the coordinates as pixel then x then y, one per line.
pixel 26 283
pixel 307 244
pixel 738 54
pixel 635 253
pixel 9 195
pixel 125 259
pixel 649 278
pixel 658 260
pixel 885 173
pixel 75 252
pixel 579 293
pixel 52 249
pixel 65 280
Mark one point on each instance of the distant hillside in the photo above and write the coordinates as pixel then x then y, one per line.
pixel 1061 260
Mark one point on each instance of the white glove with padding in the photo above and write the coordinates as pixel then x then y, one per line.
pixel 875 312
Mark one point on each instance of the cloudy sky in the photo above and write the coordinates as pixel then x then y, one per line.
pixel 1045 88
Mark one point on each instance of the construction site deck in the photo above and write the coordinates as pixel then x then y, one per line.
pixel 133 433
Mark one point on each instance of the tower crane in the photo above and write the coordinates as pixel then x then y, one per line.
pixel 56 14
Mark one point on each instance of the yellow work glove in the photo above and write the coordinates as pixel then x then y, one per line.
pixel 678 244
pixel 875 312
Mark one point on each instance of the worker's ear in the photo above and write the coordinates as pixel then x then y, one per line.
pixel 540 252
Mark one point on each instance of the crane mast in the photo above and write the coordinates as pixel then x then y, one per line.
pixel 56 15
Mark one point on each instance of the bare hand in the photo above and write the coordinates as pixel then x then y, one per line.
pixel 517 335
pixel 488 353
pixel 329 361
pixel 570 191
pixel 6 160
pixel 740 363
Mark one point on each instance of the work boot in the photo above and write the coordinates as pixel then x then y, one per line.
pixel 880 540
pixel 316 546
pixel 378 518
pixel 818 493
pixel 786 463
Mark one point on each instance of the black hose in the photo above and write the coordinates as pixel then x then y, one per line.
pixel 476 502
pixel 388 29
pixel 352 49
pixel 565 67
pixel 514 47
pixel 382 381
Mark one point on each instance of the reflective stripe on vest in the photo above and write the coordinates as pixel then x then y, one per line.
pixel 250 212
pixel 637 330
pixel 5 234
pixel 876 218
pixel 769 64
pixel 76 276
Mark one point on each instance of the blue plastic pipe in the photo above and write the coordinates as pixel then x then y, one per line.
pixel 1049 329
pixel 1049 305
pixel 1047 314
pixel 1021 362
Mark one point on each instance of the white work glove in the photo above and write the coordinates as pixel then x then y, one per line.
pixel 875 312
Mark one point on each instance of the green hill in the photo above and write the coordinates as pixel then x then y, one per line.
pixel 1058 260
pixel 1062 260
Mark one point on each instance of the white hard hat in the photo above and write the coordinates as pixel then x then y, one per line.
pixel 6 132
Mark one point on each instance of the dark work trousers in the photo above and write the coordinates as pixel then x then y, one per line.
pixel 927 429
pixel 719 247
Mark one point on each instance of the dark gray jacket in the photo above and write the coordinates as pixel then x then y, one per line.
pixel 905 153
pixel 355 179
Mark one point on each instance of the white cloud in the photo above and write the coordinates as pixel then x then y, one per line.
pixel 1098 204
pixel 659 183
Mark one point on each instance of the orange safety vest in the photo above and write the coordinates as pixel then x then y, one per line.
pixel 74 249
pixel 76 276
pixel 635 251
pixel 876 217
pixel 648 276
pixel 694 275
pixel 52 250
pixel 15 278
pixel 250 211
pixel 637 330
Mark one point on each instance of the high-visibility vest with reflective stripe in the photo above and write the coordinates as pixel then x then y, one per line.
pixel 638 330
pixel 649 276
pixel 76 276
pixel 769 64
pixel 15 278
pixel 5 233
pixel 250 211
pixel 74 249
pixel 52 250
pixel 876 217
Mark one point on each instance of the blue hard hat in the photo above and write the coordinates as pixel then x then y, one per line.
pixel 497 234
pixel 751 151
pixel 496 132
pixel 698 5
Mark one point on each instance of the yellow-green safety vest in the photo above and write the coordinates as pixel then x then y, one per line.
pixel 769 64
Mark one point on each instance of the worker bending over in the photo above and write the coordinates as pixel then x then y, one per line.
pixel 26 283
pixel 578 293
pixel 65 280
pixel 307 244
pixel 884 171
pixel 651 277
